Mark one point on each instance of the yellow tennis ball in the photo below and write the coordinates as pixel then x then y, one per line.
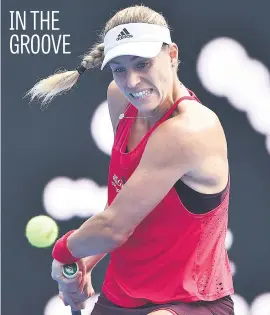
pixel 41 231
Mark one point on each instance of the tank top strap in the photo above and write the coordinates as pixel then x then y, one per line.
pixel 193 95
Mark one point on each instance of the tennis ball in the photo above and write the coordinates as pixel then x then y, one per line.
pixel 41 231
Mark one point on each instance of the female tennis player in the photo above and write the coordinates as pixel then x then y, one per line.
pixel 168 183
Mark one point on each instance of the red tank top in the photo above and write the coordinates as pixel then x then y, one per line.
pixel 173 255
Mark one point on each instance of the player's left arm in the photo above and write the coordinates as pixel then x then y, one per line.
pixel 171 152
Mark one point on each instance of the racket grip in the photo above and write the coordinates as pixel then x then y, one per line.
pixel 70 271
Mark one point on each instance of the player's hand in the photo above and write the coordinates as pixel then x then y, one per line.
pixel 75 291
pixel 77 299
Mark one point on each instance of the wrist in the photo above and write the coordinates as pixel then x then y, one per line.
pixel 92 261
pixel 61 252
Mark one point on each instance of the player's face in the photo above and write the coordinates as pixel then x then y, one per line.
pixel 146 83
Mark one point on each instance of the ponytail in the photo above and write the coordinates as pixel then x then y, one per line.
pixel 62 81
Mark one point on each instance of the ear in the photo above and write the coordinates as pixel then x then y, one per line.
pixel 173 52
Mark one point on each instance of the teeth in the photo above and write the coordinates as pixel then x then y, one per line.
pixel 142 94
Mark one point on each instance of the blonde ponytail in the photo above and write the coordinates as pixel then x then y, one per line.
pixel 62 81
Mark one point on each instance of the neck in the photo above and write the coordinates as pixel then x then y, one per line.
pixel 150 118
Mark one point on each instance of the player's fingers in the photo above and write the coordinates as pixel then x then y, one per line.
pixel 83 283
pixel 84 276
pixel 78 296
pixel 70 301
pixel 75 301
pixel 69 285
pixel 91 292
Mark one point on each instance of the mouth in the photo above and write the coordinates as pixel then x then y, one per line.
pixel 142 94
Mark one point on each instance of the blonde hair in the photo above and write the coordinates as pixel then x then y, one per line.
pixel 62 81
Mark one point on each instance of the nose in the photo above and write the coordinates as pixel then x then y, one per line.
pixel 132 79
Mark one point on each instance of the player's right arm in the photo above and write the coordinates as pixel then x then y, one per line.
pixel 68 288
pixel 117 104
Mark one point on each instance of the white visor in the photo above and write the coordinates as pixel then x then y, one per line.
pixel 135 39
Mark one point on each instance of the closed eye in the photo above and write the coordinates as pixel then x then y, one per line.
pixel 142 65
pixel 119 70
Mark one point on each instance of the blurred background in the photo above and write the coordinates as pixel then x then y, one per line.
pixel 55 160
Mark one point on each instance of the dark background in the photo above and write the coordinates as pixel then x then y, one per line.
pixel 38 145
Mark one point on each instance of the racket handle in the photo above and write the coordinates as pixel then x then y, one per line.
pixel 70 270
pixel 76 312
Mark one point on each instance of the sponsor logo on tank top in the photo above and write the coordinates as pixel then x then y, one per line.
pixel 118 183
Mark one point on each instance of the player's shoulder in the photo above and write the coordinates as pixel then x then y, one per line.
pixel 197 119
pixel 194 130
pixel 117 103
pixel 193 119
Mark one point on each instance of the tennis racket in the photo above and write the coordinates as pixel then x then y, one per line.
pixel 70 271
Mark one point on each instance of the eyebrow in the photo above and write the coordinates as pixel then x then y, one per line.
pixel 132 59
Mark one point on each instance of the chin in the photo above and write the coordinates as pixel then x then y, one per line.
pixel 146 105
